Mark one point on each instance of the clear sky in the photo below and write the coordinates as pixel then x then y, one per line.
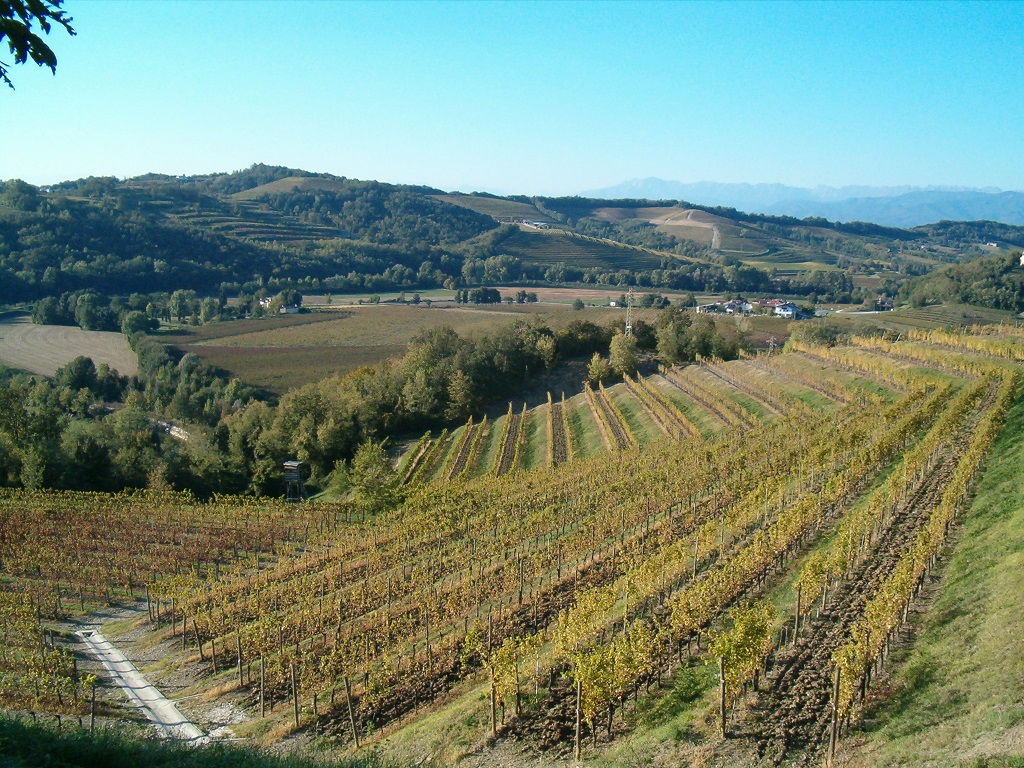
pixel 529 97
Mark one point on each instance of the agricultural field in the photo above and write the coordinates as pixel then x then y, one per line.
pixel 940 316
pixel 43 349
pixel 497 207
pixel 721 564
pixel 292 183
pixel 249 221
pixel 281 353
pixel 548 247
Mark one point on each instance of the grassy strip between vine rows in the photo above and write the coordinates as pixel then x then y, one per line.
pixel 887 608
pixel 959 689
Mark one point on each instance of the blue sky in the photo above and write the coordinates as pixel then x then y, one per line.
pixel 530 97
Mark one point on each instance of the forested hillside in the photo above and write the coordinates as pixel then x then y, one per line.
pixel 997 282
pixel 273 227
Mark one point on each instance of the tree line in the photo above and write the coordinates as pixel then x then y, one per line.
pixel 91 427
pixel 994 281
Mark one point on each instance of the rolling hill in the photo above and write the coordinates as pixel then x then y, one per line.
pixel 903 206
pixel 270 226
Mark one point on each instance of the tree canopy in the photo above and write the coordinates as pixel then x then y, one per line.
pixel 18 20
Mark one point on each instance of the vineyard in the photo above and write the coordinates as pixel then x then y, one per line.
pixel 552 570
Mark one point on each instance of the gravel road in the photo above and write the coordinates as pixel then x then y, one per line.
pixel 162 713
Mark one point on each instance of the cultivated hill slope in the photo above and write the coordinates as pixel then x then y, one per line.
pixel 778 529
pixel 269 226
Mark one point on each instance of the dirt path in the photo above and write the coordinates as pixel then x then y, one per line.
pixel 716 236
pixel 168 720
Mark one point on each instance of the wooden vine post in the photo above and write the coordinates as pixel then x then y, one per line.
pixel 796 618
pixel 238 648
pixel 199 642
pixel 263 672
pixel 351 712
pixel 295 694
pixel 576 749
pixel 834 735
pixel 494 706
pixel 721 693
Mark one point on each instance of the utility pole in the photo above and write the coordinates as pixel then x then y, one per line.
pixel 629 312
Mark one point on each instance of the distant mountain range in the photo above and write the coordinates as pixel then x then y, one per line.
pixel 889 206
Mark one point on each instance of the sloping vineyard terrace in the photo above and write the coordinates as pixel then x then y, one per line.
pixel 837 471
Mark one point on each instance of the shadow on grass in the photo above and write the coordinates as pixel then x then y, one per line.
pixel 688 685
pixel 25 744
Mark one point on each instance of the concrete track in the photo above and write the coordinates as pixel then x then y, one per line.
pixel 168 720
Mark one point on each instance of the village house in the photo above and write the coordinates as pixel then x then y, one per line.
pixel 788 310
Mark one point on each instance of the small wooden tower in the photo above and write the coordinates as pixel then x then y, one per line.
pixel 294 489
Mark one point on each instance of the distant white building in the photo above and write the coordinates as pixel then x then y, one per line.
pixel 787 310
pixel 737 306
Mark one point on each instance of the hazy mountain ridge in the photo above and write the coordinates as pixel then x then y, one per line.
pixel 904 206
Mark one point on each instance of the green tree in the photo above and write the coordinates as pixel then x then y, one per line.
pixel 460 396
pixel 599 369
pixel 46 311
pixel 672 332
pixel 17 18
pixel 289 297
pixel 134 322
pixel 374 482
pixel 208 310
pixel 578 304
pixel 622 354
pixel 547 348
pixel 80 373
pixel 181 303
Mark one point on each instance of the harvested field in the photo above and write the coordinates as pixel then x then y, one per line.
pixel 370 326
pixel 280 353
pixel 45 348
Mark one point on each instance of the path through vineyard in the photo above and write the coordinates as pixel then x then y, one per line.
pixel 162 713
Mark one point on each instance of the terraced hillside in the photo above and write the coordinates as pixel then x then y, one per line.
pixel 265 228
pixel 557 246
pixel 755 533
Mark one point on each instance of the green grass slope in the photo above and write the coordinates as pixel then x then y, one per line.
pixel 25 744
pixel 291 184
pixel 498 207
pixel 958 695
